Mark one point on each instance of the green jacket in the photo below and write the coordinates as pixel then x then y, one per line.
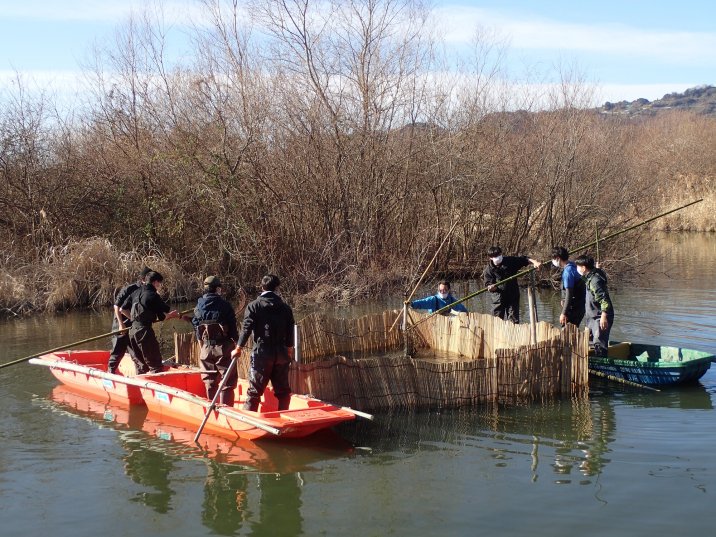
pixel 597 294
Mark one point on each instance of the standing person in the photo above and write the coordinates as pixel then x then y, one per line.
pixel 573 289
pixel 599 312
pixel 439 300
pixel 215 327
pixel 144 307
pixel 506 296
pixel 120 342
pixel 270 320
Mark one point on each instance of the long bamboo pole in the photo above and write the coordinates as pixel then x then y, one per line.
pixel 621 380
pixel 214 399
pixel 574 250
pixel 74 344
pixel 420 280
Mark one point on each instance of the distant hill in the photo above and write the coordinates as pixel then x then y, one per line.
pixel 701 99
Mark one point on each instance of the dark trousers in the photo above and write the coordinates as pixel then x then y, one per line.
pixel 215 361
pixel 264 369
pixel 120 345
pixel 599 338
pixel 507 310
pixel 146 347
pixel 574 317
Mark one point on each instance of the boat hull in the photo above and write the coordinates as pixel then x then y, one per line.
pixel 653 365
pixel 105 386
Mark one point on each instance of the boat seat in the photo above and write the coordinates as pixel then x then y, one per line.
pixel 619 351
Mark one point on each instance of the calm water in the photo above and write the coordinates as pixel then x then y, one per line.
pixel 625 462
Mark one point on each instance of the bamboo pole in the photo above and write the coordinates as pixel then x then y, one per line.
pixel 532 309
pixel 623 381
pixel 578 249
pixel 420 280
pixel 214 399
pixel 82 341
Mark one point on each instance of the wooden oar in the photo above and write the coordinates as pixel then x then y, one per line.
pixel 67 346
pixel 212 406
pixel 575 250
pixel 623 381
pixel 420 280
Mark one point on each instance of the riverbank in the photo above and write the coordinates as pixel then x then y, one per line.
pixel 87 274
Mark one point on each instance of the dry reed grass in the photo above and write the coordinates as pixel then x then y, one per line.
pixel 84 273
pixel 699 217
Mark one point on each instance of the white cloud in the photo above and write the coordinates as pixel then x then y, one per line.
pixel 182 12
pixel 461 23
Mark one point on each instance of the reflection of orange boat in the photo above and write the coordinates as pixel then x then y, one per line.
pixel 266 456
pixel 179 394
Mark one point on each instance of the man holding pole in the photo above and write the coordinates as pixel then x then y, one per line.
pixel 270 320
pixel 145 307
pixel 506 296
pixel 120 341
pixel 439 300
pixel 599 311
pixel 215 327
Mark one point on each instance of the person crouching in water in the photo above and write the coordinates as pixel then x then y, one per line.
pixel 438 301
pixel 599 311
pixel 270 320
pixel 215 328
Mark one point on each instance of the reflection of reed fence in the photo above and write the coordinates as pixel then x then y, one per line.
pixel 483 359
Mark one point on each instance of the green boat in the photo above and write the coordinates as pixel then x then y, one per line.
pixel 652 365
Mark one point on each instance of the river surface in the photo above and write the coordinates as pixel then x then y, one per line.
pixel 623 462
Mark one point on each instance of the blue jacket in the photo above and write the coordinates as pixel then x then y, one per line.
pixel 434 303
pixel 573 291
pixel 211 307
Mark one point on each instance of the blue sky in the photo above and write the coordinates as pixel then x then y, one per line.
pixel 629 48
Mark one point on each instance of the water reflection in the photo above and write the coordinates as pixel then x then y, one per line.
pixel 254 483
pixel 557 439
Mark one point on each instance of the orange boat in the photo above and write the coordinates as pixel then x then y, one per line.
pixel 179 394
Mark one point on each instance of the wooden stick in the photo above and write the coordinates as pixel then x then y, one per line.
pixel 623 381
pixel 212 406
pixel 67 346
pixel 420 280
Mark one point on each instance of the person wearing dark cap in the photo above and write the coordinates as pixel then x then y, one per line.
pixel 145 307
pixel 573 290
pixel 270 320
pixel 505 296
pixel 215 328
pixel 120 342
pixel 599 310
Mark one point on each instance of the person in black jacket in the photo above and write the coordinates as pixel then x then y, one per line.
pixel 145 307
pixel 120 342
pixel 215 328
pixel 506 296
pixel 270 320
